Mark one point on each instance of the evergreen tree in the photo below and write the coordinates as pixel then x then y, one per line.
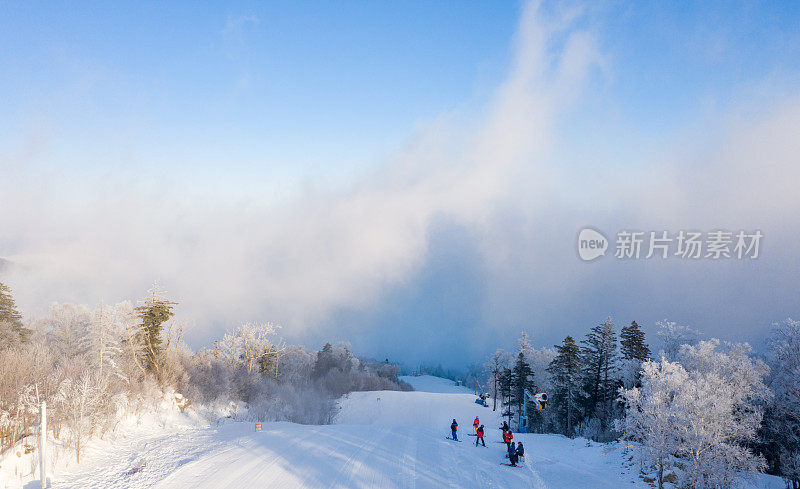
pixel 332 358
pixel 565 371
pixel 599 358
pixel 632 345
pixel 153 313
pixel 11 327
pixel 325 361
pixel 506 383
pixel 522 380
pixel 634 352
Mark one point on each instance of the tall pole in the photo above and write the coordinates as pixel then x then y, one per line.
pixel 43 444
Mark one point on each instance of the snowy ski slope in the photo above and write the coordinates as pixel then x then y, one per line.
pixel 395 442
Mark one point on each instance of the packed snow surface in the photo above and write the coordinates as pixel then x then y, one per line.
pixel 381 439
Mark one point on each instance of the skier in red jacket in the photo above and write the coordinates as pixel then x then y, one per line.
pixel 507 437
pixel 475 424
pixel 479 432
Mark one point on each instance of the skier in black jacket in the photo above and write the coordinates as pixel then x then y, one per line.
pixel 504 428
pixel 454 429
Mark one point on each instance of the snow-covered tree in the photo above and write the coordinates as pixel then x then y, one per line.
pixel 67 328
pixel 674 336
pixel 721 411
pixel 524 345
pixel 79 401
pixel 106 333
pixel 704 410
pixel 652 413
pixel 249 344
pixel 296 364
pixel 781 428
pixel 497 362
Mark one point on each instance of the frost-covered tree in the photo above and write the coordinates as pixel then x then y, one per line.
pixel 79 401
pixel 106 333
pixel 721 409
pixel 674 336
pixel 539 360
pixel 781 428
pixel 652 413
pixel 524 345
pixel 705 409
pixel 249 345
pixel 565 371
pixel 67 327
pixel 297 364
pixel 497 362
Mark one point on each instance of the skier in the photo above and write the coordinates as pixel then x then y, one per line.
pixel 479 432
pixel 454 428
pixel 520 451
pixel 512 454
pixel 475 424
pixel 507 437
pixel 504 428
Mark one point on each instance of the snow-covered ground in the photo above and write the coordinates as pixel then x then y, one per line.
pixel 381 439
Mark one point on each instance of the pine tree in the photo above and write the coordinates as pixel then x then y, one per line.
pixel 153 312
pixel 522 380
pixel 632 345
pixel 325 361
pixel 506 383
pixel 599 358
pixel 11 327
pixel 634 352
pixel 565 371
pixel 525 346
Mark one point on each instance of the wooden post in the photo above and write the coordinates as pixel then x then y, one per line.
pixel 43 443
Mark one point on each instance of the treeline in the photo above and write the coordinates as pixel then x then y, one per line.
pixel 701 415
pixel 95 365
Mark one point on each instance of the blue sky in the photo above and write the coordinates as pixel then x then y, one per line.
pixel 377 172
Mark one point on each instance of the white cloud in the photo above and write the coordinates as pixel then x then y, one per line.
pixel 324 250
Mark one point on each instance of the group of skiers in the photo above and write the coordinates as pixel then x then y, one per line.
pixel 515 451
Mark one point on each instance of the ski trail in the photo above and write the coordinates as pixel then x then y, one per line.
pixel 537 479
pixel 355 462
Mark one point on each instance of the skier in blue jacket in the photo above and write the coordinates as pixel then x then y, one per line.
pixel 454 428
pixel 512 454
